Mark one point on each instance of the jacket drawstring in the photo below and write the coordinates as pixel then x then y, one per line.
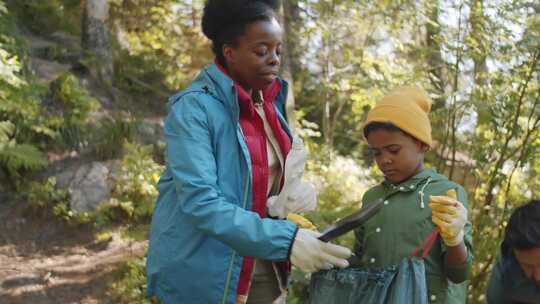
pixel 421 193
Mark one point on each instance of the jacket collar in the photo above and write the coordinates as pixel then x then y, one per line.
pixel 415 181
pixel 214 82
pixel 245 99
pixel 218 84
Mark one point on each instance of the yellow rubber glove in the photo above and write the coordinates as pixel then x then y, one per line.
pixel 301 221
pixel 450 216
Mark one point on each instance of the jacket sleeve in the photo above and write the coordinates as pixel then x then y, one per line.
pixel 461 273
pixel 359 233
pixel 495 286
pixel 190 157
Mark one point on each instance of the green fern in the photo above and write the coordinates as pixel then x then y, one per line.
pixel 6 129
pixel 15 157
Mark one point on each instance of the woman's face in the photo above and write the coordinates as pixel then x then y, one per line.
pixel 254 61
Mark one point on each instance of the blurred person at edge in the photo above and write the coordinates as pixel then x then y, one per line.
pixel 515 277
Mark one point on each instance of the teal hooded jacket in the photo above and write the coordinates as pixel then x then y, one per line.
pixel 202 225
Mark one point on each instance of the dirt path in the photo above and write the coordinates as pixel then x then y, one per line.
pixel 44 261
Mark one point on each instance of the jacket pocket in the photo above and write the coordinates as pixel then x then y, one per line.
pixel 437 289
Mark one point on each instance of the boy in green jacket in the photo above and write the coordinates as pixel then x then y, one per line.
pixel 417 200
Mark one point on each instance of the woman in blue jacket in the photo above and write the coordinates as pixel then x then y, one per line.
pixel 211 238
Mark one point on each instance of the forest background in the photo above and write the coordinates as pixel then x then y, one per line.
pixel 83 91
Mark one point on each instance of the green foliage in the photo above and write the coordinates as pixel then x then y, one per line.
pixel 131 288
pixel 131 285
pixel 109 135
pixel 18 108
pixel 132 199
pixel 46 17
pixel 6 129
pixel 17 157
pixel 36 126
pixel 503 142
pixel 347 73
pixel 45 199
pixel 505 147
pixel 160 42
pixel 134 195
pixel 10 68
pixel 132 202
pixel 70 110
pixel 30 125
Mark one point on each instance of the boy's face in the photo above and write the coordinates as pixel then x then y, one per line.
pixel 529 260
pixel 398 155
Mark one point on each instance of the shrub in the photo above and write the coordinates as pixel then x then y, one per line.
pixel 109 135
pixel 135 193
pixel 131 285
pixel 70 110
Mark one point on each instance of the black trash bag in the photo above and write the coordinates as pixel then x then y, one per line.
pixel 404 283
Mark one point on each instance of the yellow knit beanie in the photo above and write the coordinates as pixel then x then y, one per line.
pixel 407 108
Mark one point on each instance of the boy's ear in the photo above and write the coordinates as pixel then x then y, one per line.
pixel 423 147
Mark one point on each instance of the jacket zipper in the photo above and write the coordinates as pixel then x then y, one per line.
pixel 233 256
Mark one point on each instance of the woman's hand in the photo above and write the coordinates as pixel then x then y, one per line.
pixel 299 196
pixel 310 254
pixel 296 195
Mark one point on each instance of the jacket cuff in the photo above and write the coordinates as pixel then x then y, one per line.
pixel 459 273
pixel 292 242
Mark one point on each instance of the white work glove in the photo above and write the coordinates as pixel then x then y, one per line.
pixel 296 195
pixel 450 216
pixel 310 254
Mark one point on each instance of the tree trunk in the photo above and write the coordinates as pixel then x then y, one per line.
pixel 478 24
pixel 96 38
pixel 436 66
pixel 434 57
pixel 290 56
pixel 477 28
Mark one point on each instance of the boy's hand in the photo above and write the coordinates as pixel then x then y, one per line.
pixel 301 221
pixel 450 216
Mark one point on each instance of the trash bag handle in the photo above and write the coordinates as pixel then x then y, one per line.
pixel 351 221
pixel 428 242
